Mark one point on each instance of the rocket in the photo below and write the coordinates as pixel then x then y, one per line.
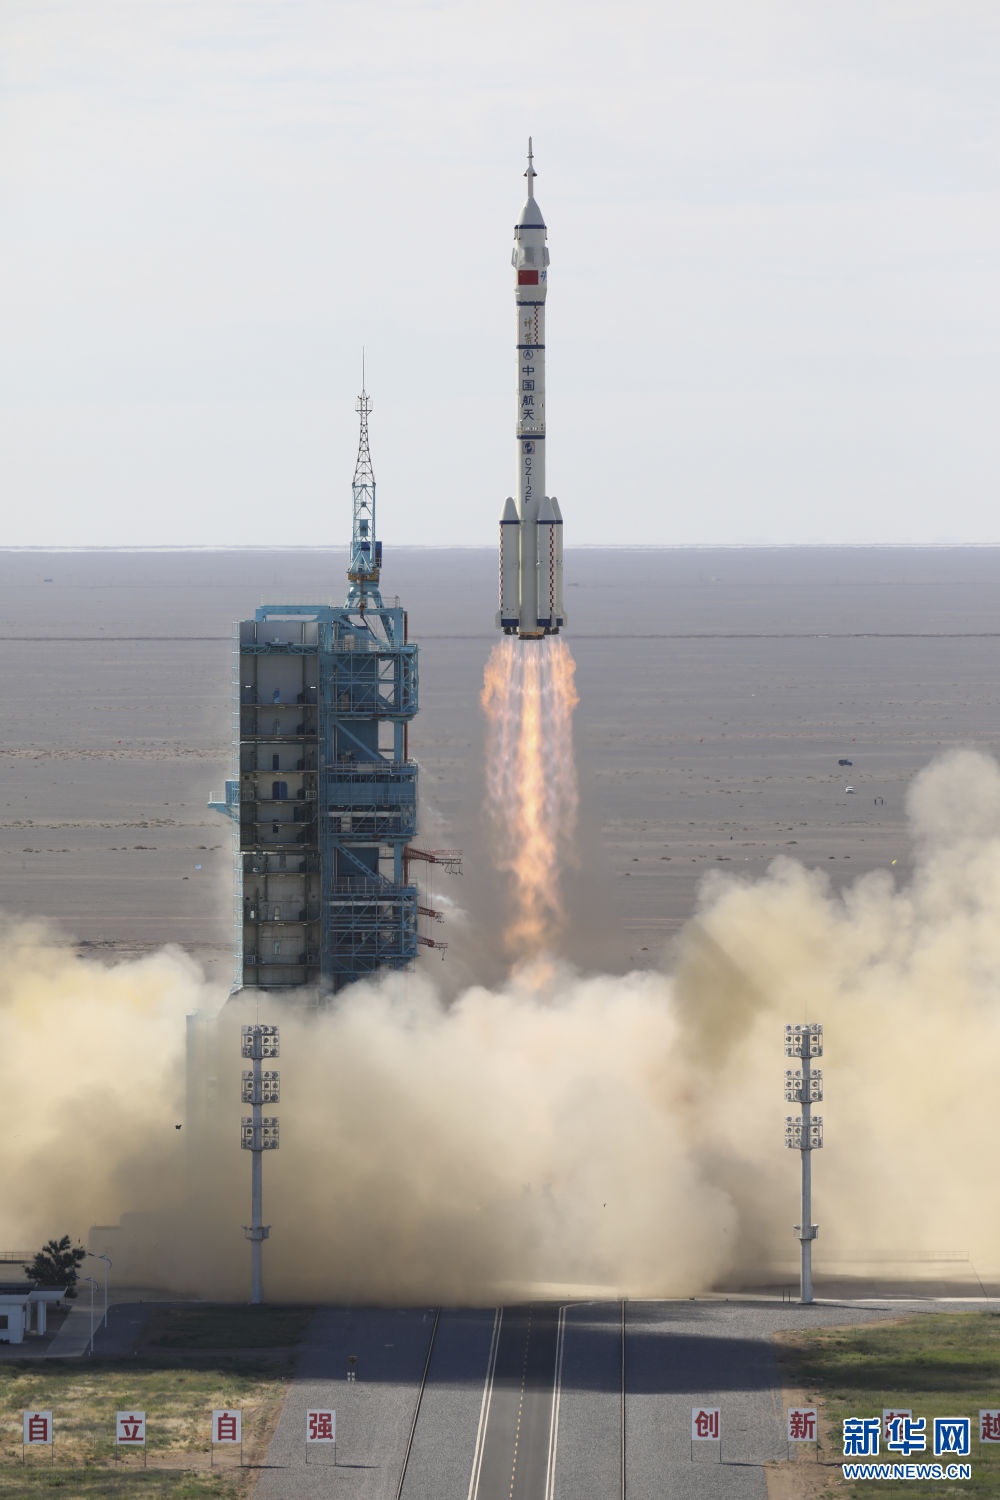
pixel 531 546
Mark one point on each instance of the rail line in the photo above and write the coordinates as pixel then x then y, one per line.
pixel 416 1408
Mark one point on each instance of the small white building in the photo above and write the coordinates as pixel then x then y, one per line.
pixel 17 1298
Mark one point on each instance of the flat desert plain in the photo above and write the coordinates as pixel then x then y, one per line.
pixel 718 691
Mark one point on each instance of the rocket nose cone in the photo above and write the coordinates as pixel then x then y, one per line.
pixel 530 216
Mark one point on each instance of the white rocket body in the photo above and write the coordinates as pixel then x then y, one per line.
pixel 531 546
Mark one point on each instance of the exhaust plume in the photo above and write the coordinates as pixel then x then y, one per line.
pixel 529 697
pixel 601 1131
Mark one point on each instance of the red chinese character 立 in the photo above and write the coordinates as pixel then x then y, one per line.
pixel 131 1429
pixel 321 1425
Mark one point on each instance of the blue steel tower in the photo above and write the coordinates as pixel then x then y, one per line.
pixel 323 793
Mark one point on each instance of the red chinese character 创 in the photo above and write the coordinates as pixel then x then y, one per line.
pixel 225 1428
pixel 707 1424
pixel 989 1426
pixel 38 1428
pixel 802 1425
pixel 321 1426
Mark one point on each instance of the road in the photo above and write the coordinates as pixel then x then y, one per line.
pixel 513 1457
pixel 482 1422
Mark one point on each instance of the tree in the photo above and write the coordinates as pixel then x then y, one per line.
pixel 56 1265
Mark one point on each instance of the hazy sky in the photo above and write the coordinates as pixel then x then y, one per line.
pixel 772 315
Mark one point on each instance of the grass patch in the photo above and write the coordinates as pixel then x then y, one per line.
pixel 211 1327
pixel 231 1357
pixel 151 1484
pixel 940 1365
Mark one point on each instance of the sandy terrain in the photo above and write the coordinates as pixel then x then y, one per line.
pixel 718 691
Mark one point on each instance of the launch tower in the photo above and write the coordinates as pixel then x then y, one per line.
pixel 323 794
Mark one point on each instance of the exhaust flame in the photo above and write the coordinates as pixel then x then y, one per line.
pixel 529 697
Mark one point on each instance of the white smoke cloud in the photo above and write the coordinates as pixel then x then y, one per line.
pixel 624 1132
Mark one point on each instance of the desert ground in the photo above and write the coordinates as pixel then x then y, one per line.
pixel 718 691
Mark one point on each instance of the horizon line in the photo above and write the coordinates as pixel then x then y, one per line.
pixel 344 550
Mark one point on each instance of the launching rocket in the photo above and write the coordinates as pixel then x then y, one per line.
pixel 531 546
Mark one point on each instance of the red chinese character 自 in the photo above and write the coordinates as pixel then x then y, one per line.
pixel 321 1426
pixel 38 1428
pixel 225 1428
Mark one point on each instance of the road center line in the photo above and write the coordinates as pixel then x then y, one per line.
pixel 520 1404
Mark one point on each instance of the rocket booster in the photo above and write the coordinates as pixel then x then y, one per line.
pixel 531 546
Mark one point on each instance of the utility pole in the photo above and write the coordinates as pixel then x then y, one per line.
pixel 108 1263
pixel 804 1086
pixel 259 1134
pixel 93 1283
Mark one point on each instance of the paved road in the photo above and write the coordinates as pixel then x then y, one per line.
pixel 444 1442
pixel 374 1412
pixel 485 1413
pixel 128 1314
pixel 514 1456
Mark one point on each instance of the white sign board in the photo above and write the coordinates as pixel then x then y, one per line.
pixel 802 1424
pixel 891 1414
pixel 705 1424
pixel 321 1426
pixel 227 1426
pixel 989 1426
pixel 37 1427
pixel 130 1428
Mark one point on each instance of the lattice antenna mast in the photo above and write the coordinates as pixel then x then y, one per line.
pixel 366 552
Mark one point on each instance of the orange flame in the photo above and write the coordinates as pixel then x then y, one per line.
pixel 529 697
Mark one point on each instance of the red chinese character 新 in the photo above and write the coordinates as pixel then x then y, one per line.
pixel 802 1424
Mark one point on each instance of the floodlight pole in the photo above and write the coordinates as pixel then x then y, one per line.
pixel 805 1134
pixel 259 1134
pixel 806 1221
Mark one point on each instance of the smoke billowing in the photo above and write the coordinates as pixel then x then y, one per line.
pixel 623 1132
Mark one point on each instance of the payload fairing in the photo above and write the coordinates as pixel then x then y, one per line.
pixel 531 546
